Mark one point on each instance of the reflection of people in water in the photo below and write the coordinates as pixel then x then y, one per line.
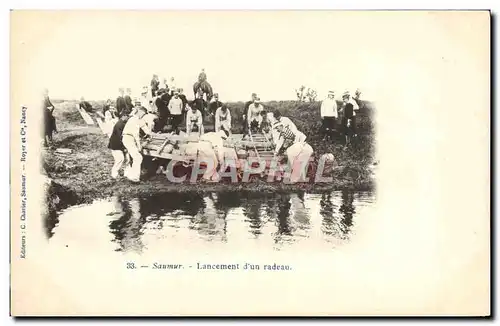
pixel 210 221
pixel 127 228
pixel 337 224
pixel 299 211
pixel 283 206
pixel 347 210
pixel 252 209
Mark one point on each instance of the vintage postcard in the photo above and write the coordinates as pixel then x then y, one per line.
pixel 250 163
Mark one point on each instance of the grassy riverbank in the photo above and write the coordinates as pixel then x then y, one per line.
pixel 85 173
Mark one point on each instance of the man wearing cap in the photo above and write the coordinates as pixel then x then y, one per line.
pixel 245 117
pixel 194 122
pixel 298 152
pixel 349 119
pixel 121 105
pixel 175 108
pixel 223 119
pixel 132 142
pixel 329 115
pixel 253 114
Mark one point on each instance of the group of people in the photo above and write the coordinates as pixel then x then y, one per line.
pixel 163 104
pixel 344 118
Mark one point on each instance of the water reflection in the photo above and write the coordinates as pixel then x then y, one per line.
pixel 228 217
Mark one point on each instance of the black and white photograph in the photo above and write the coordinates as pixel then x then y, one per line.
pixel 248 149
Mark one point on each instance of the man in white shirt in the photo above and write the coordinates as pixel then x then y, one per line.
pixel 253 114
pixel 298 152
pixel 175 108
pixel 223 119
pixel 210 149
pixel 194 122
pixel 132 142
pixel 329 115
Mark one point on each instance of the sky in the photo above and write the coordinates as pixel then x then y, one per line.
pixel 92 54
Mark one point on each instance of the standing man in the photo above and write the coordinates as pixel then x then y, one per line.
pixel 175 107
pixel 349 119
pixel 329 115
pixel 194 122
pixel 172 85
pixel 128 101
pixel 161 103
pixel 245 117
pixel 116 145
pixel 121 105
pixel 49 119
pixel 132 142
pixel 183 98
pixel 155 85
pixel 214 104
pixel 223 119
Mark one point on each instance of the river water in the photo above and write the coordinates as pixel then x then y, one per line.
pixel 279 221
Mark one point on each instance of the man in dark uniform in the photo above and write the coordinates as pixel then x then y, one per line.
pixel 163 113
pixel 116 145
pixel 214 104
pixel 85 105
pixel 121 105
pixel 49 120
pixel 128 101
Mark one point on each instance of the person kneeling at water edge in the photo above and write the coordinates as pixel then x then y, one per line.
pixel 298 152
pixel 132 142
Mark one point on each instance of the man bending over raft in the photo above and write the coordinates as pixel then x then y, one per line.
pixel 132 142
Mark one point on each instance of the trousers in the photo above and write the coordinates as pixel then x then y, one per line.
pixel 298 158
pixel 130 144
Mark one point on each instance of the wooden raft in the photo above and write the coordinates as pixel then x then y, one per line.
pixel 259 147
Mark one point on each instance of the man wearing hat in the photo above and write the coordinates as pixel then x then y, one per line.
pixel 194 122
pixel 349 118
pixel 121 105
pixel 329 115
pixel 223 119
pixel 175 108
pixel 132 141
pixel 254 119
